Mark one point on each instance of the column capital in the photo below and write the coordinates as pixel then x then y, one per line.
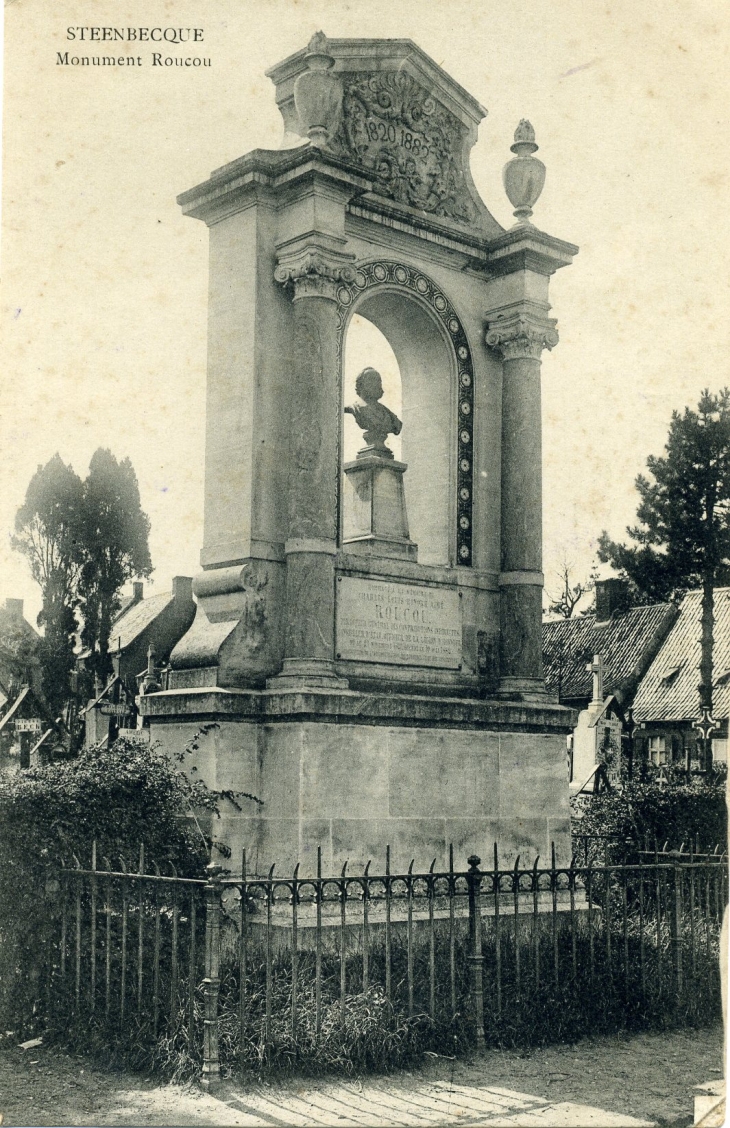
pixel 521 332
pixel 313 265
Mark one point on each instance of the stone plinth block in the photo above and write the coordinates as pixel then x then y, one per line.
pixel 415 774
pixel 375 520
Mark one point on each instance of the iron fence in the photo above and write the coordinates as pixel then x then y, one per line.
pixel 231 968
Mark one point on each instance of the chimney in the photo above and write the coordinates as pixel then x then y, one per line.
pixel 137 591
pixel 611 596
pixel 182 589
pixel 14 608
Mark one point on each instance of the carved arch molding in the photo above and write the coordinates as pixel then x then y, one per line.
pixel 382 272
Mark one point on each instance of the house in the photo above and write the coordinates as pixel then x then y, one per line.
pixel 594 663
pixel 26 726
pixel 155 625
pixel 18 652
pixel 667 706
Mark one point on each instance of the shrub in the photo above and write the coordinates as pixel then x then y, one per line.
pixel 680 811
pixel 120 796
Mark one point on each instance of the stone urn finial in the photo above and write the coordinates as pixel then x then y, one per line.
pixel 524 175
pixel 318 93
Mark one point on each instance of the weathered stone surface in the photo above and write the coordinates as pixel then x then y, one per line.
pixel 374 215
pixel 448 775
pixel 402 120
pixel 400 623
pixel 410 145
pixel 542 761
pixel 374 504
pixel 489 715
pixel 355 787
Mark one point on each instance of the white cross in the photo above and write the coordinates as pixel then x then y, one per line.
pixel 596 668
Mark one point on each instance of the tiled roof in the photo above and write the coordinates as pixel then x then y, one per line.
pixel 627 642
pixel 669 691
pixel 124 604
pixel 129 625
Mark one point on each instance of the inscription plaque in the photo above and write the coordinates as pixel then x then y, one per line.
pixel 398 623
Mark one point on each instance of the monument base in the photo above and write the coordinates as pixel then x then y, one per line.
pixel 530 915
pixel 351 773
pixel 375 520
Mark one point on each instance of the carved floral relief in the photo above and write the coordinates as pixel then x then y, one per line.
pixel 410 145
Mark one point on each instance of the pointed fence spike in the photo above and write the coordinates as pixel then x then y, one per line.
pixel 432 866
pixel 93 854
pixel 387 861
pixel 296 870
pixel 367 868
pixel 243 864
pixel 517 863
pixel 271 872
pixel 141 857
pixel 344 868
pixel 410 868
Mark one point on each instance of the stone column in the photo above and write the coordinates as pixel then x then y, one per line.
pixel 312 273
pixel 519 335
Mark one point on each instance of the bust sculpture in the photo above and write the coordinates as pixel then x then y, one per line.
pixel 375 419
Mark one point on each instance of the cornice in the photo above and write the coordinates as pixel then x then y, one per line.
pixel 524 247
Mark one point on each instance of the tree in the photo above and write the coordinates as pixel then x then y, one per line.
pixel 683 536
pixel 570 594
pixel 83 541
pixel 48 533
pixel 115 548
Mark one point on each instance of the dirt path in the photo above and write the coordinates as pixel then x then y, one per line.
pixel 649 1077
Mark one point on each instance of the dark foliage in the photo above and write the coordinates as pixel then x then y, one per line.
pixel 83 541
pixel 115 535
pixel 682 811
pixel 47 532
pixel 118 797
pixel 684 511
pixel 568 986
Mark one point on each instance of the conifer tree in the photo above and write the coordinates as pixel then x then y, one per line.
pixel 682 539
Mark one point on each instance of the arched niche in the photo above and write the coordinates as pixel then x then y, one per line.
pixel 366 346
pixel 434 364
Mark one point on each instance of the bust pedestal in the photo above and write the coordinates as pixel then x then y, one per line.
pixel 375 521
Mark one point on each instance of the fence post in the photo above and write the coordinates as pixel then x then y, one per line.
pixel 211 983
pixel 676 927
pixel 476 959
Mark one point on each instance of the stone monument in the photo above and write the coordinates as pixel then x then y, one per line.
pixel 366 654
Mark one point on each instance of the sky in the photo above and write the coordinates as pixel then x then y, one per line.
pixel 104 282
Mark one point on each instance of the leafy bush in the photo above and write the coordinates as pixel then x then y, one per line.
pixel 120 796
pixel 681 811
